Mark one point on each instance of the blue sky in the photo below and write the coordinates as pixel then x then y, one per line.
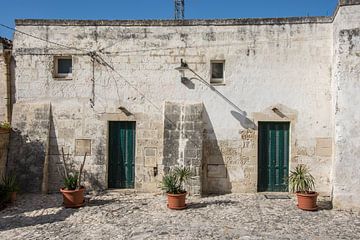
pixel 158 9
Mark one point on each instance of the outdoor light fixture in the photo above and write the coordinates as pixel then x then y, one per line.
pixel 183 66
pixel 125 111
pixel 278 112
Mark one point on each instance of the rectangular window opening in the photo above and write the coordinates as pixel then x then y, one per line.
pixel 217 72
pixel 63 67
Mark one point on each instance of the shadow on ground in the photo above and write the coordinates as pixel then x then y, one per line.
pixel 324 205
pixel 17 216
pixel 205 204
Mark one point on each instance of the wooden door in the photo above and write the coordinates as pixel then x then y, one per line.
pixel 273 156
pixel 121 170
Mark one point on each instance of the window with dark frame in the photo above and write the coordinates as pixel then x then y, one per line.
pixel 217 72
pixel 63 67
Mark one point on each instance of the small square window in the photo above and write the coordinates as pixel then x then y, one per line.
pixel 63 67
pixel 217 71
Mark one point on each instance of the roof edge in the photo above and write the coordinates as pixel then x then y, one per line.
pixel 348 2
pixel 187 22
pixel 6 43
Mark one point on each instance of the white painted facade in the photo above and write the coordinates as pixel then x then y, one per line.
pixel 295 65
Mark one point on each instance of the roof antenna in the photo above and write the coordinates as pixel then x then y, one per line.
pixel 179 9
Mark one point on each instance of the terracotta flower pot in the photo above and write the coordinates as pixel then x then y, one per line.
pixel 12 197
pixel 4 130
pixel 176 201
pixel 73 198
pixel 307 201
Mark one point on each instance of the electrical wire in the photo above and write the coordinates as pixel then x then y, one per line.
pixel 100 60
pixel 42 39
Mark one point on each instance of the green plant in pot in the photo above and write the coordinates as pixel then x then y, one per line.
pixel 11 186
pixel 173 184
pixel 73 191
pixel 303 184
pixel 5 127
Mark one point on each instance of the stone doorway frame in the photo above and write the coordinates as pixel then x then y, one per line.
pixel 117 117
pixel 276 113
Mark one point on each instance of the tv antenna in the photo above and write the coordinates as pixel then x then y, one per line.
pixel 179 9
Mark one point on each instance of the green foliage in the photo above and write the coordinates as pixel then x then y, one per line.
pixel 72 179
pixel 300 179
pixel 5 125
pixel 173 182
pixel 71 182
pixel 10 182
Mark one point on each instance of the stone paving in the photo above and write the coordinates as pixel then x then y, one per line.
pixel 122 215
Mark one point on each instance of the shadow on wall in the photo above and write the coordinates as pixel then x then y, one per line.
pixel 26 159
pixel 239 114
pixel 55 177
pixel 245 122
pixel 215 175
pixel 92 181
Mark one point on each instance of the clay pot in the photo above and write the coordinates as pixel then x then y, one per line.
pixel 176 201
pixel 73 198
pixel 12 197
pixel 307 201
pixel 4 130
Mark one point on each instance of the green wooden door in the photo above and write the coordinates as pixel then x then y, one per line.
pixel 273 156
pixel 121 171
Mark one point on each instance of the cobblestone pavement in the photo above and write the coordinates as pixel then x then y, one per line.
pixel 121 215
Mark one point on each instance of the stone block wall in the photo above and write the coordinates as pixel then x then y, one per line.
pixel 183 140
pixel 4 143
pixel 5 107
pixel 230 166
pixel 29 143
pixel 283 63
pixel 3 87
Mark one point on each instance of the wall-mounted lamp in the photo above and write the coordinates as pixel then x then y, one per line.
pixel 124 110
pixel 183 66
pixel 278 112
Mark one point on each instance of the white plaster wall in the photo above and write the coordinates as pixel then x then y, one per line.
pixel 266 65
pixel 346 88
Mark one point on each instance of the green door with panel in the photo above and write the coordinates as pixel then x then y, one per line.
pixel 273 156
pixel 121 170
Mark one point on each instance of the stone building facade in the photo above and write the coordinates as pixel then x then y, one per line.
pixel 286 86
pixel 5 98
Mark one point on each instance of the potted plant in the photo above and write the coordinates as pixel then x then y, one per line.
pixel 11 186
pixel 303 184
pixel 73 191
pixel 5 127
pixel 173 185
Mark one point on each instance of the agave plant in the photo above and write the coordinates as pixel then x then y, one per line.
pixel 71 182
pixel 300 179
pixel 10 182
pixel 5 125
pixel 173 182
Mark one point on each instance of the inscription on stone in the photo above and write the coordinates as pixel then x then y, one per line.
pixel 82 146
pixel 247 138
